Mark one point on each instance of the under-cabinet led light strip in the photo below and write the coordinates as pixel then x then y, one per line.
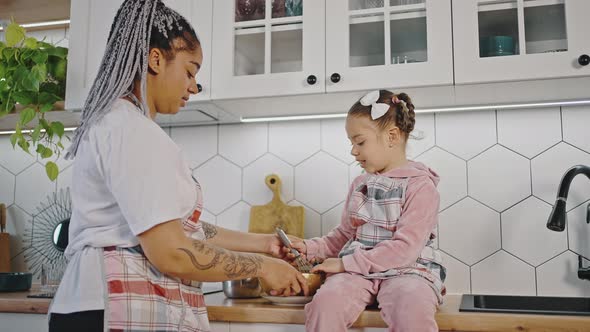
pixel 425 110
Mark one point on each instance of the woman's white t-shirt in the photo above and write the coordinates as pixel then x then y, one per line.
pixel 128 176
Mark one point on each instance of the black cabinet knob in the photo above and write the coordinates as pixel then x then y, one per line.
pixel 199 87
pixel 311 79
pixel 335 78
pixel 584 60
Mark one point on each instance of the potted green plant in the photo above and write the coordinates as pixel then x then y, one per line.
pixel 32 83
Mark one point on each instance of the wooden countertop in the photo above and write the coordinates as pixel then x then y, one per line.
pixel 260 310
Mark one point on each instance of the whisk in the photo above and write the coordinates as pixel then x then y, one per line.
pixel 302 264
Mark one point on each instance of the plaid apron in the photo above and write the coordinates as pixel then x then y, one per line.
pixel 374 210
pixel 141 298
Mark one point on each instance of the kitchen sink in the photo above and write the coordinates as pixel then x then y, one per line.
pixel 540 305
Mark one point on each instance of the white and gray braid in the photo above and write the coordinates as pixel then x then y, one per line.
pixel 125 60
pixel 167 20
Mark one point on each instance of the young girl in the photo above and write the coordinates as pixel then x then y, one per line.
pixel 383 248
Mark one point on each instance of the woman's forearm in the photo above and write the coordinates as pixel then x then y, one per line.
pixel 235 240
pixel 172 252
pixel 204 261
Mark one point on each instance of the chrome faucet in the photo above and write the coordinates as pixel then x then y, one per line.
pixel 558 217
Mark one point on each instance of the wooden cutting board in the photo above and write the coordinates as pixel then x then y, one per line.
pixel 265 218
pixel 4 242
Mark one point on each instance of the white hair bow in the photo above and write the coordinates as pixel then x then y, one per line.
pixel 377 109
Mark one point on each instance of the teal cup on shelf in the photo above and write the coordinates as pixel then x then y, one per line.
pixel 496 46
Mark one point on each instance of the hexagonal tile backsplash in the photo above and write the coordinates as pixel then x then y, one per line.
pixel 499 175
pixel 496 190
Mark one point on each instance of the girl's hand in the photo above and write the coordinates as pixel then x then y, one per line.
pixel 297 244
pixel 330 265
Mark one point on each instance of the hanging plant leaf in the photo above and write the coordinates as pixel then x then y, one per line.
pixel 58 128
pixel 36 133
pixel 48 98
pixel 40 57
pixel 14 34
pixel 13 139
pixel 23 97
pixel 31 42
pixel 52 170
pixel 22 142
pixel 46 108
pixel 26 116
pixel 46 153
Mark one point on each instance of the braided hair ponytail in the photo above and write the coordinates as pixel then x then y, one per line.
pixel 138 26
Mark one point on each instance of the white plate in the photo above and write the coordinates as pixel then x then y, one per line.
pixel 288 300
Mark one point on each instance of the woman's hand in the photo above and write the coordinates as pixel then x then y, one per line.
pixel 282 278
pixel 274 246
pixel 330 265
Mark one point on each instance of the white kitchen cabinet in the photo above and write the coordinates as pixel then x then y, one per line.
pixel 262 48
pixel 89 28
pixel 388 43
pixel 514 40
pixel 335 45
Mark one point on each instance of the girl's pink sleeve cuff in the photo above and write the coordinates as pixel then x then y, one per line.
pixel 312 248
pixel 350 264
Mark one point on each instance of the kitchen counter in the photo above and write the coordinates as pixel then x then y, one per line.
pixel 259 310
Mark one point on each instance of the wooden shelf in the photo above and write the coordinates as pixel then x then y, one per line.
pixel 274 28
pixel 392 17
pixel 69 119
pixel 272 21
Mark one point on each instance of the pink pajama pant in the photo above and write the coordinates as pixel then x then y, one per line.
pixel 407 303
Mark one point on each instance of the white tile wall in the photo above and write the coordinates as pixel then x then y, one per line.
pixel 499 176
pixel 495 197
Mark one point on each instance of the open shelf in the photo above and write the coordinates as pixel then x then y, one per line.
pixel 492 5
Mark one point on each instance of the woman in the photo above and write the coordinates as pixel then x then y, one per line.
pixel 135 236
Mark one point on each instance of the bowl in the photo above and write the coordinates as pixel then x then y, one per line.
pixel 15 281
pixel 314 281
pixel 242 288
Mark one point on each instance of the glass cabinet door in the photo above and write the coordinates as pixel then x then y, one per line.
pixel 543 23
pixel 274 46
pixel 388 43
pixel 518 39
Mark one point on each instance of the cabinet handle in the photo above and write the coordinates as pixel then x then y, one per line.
pixel 335 78
pixel 311 79
pixel 199 87
pixel 584 60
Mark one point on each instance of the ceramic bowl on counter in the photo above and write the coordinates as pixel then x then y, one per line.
pixel 314 281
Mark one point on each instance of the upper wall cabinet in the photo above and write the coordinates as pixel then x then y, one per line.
pixel 89 28
pixel 268 47
pixel 286 47
pixel 388 43
pixel 512 40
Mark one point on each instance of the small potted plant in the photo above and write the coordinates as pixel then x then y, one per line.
pixel 32 83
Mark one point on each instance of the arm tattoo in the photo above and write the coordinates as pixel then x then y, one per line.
pixel 210 230
pixel 234 265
